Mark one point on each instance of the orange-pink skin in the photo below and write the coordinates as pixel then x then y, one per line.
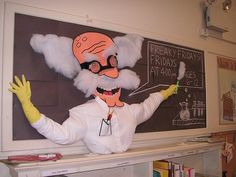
pixel 96 43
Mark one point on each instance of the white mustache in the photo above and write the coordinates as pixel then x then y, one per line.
pixel 87 82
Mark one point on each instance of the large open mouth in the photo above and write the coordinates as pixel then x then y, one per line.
pixel 107 91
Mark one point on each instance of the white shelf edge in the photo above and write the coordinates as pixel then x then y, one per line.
pixel 87 162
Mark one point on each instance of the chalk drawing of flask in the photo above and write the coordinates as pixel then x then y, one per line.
pixel 184 113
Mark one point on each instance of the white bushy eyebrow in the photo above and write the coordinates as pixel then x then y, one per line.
pixel 112 50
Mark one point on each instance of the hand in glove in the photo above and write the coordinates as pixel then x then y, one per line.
pixel 168 92
pixel 23 93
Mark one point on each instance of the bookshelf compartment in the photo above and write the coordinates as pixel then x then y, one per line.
pixel 206 163
pixel 137 170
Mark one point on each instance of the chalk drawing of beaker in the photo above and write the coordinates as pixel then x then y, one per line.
pixel 184 113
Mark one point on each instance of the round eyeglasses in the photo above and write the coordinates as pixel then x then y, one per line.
pixel 96 67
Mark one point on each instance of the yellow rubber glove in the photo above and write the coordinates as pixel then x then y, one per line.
pixel 168 92
pixel 23 93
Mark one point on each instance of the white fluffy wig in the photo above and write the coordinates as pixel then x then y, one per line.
pixel 58 56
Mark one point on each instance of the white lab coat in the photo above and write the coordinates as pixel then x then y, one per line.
pixel 85 120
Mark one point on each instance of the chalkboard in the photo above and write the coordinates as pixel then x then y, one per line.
pixel 54 94
pixel 185 110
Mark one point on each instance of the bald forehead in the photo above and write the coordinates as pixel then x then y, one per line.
pixel 92 43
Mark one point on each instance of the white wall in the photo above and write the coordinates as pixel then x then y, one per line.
pixel 1 46
pixel 175 21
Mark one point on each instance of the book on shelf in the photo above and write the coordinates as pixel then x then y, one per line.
pixel 164 168
pixel 158 172
pixel 177 170
pixel 163 164
pixel 189 172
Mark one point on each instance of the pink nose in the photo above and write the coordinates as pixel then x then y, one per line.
pixel 111 72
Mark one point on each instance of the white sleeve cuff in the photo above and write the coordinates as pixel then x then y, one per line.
pixel 40 122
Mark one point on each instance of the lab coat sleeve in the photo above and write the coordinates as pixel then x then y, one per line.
pixel 73 129
pixel 144 110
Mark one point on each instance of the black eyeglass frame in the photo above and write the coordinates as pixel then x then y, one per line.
pixel 86 65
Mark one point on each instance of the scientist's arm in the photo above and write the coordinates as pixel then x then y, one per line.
pixel 71 130
pixel 144 110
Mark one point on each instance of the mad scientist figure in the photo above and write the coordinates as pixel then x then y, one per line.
pixel 105 124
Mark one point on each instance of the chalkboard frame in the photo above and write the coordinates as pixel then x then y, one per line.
pixel 7 145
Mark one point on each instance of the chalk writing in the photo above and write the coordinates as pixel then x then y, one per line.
pixel 163 63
